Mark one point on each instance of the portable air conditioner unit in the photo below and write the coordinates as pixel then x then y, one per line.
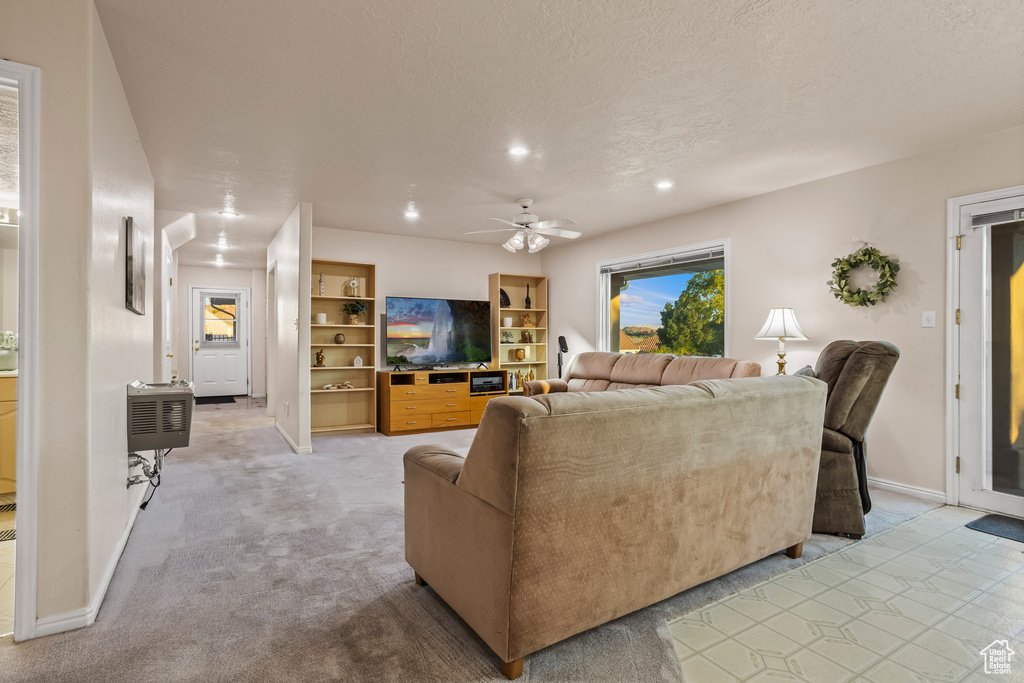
pixel 159 415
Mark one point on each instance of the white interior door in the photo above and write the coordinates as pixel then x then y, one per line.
pixel 991 363
pixel 220 341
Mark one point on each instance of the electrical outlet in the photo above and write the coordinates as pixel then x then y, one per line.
pixel 927 318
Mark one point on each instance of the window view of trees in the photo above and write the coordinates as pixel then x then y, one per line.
pixel 695 324
pixel 682 313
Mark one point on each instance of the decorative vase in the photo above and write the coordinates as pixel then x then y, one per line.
pixel 527 296
pixel 8 359
pixel 321 318
pixel 353 320
pixel 520 355
pixel 339 338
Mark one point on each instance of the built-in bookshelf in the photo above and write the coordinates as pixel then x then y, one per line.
pixel 346 410
pixel 519 326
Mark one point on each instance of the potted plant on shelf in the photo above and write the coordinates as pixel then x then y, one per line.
pixel 8 351
pixel 353 310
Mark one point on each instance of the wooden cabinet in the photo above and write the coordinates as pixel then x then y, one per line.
pixel 8 415
pixel 528 330
pixel 425 400
pixel 340 411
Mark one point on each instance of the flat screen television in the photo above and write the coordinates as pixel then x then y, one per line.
pixel 437 331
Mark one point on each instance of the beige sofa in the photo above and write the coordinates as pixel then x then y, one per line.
pixel 573 509
pixel 604 371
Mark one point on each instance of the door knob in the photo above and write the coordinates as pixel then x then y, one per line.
pixel 195 341
pixel 170 355
pixel 197 348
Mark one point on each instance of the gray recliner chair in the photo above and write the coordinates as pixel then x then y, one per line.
pixel 856 374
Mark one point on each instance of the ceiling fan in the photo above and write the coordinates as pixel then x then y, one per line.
pixel 530 231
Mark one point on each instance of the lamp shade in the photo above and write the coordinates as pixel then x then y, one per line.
pixel 781 324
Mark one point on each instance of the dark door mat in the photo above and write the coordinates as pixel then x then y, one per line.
pixel 1000 525
pixel 209 400
pixel 9 507
pixel 6 534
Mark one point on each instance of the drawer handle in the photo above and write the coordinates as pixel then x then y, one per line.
pixel 412 422
pixel 452 405
pixel 411 393
pixel 451 391
pixel 452 418
pixel 410 407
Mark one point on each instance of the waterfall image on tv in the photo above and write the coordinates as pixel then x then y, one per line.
pixel 428 331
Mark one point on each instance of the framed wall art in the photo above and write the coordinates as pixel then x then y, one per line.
pixel 135 268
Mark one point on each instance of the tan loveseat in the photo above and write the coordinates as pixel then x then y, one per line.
pixel 573 509
pixel 604 371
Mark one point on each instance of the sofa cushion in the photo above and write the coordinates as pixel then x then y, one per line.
pixel 640 368
pixel 578 384
pixel 594 365
pixel 686 369
pixel 615 386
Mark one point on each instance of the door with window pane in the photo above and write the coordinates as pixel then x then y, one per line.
pixel 220 342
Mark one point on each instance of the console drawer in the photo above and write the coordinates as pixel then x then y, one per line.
pixel 409 422
pixel 402 409
pixel 409 392
pixel 451 419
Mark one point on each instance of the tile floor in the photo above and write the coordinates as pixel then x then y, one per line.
pixel 914 603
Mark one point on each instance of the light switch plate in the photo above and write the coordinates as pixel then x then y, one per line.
pixel 927 318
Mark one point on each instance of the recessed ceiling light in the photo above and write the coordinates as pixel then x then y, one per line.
pixel 665 184
pixel 518 151
pixel 219 260
pixel 228 214
pixel 412 214
pixel 222 243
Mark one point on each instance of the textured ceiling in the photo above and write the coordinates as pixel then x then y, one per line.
pixel 362 106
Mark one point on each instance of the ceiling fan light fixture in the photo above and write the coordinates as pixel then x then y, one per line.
pixel 508 246
pixel 517 241
pixel 538 242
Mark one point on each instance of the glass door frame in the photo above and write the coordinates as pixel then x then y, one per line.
pixel 959 463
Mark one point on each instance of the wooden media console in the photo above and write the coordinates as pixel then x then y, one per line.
pixel 436 400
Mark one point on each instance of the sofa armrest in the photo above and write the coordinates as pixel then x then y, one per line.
pixel 544 386
pixel 437 459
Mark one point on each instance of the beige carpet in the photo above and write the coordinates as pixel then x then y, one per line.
pixel 255 564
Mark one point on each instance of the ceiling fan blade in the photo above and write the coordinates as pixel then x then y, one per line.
pixel 479 232
pixel 555 232
pixel 502 220
pixel 556 223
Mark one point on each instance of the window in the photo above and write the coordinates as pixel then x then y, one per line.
pixel 666 302
pixel 220 320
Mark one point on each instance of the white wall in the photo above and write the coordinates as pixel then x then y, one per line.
pixel 290 251
pixel 120 343
pixel 416 266
pixel 93 173
pixel 196 276
pixel 782 246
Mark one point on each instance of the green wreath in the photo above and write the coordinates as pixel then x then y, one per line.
pixel 865 256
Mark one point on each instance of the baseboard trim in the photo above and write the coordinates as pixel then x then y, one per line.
pixel 292 444
pixel 85 616
pixel 908 490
